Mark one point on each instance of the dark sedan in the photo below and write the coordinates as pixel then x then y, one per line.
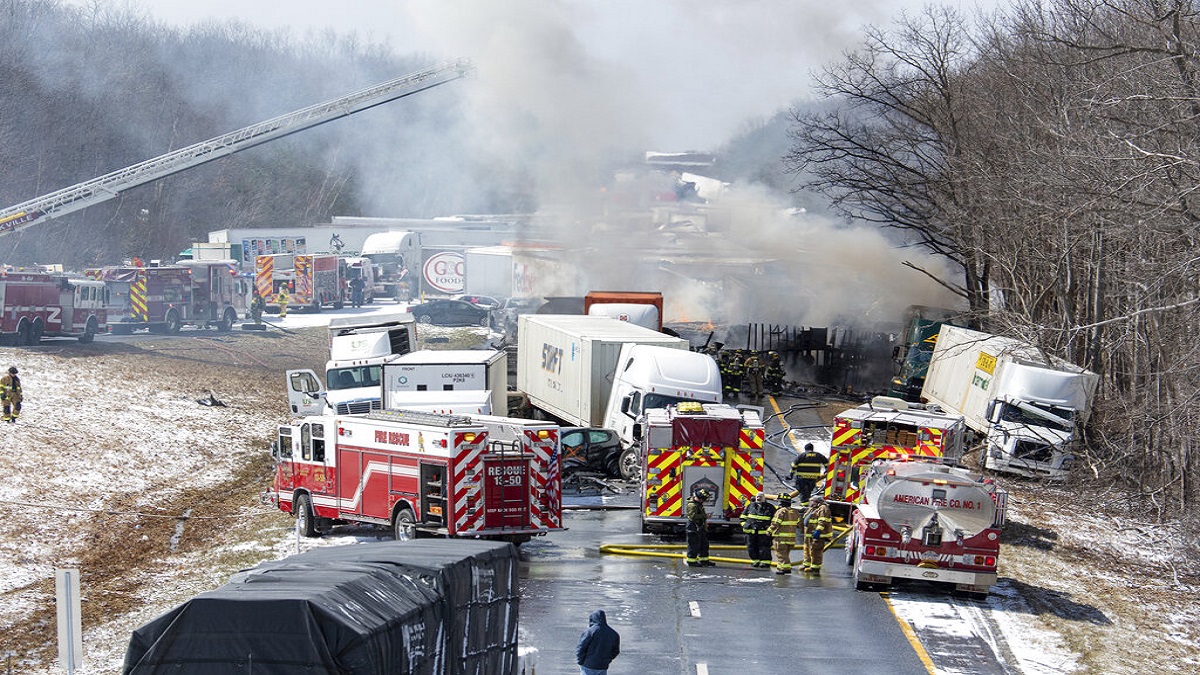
pixel 450 313
pixel 599 451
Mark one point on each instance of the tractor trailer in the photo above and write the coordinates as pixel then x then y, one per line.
pixel 597 371
pixel 1028 405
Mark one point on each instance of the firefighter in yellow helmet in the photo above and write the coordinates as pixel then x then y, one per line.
pixel 10 392
pixel 282 299
pixel 783 533
pixel 818 529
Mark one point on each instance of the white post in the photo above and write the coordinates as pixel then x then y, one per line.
pixel 70 623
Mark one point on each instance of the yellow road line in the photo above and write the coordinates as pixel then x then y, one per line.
pixel 912 637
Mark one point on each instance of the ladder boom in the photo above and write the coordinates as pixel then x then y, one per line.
pixel 96 190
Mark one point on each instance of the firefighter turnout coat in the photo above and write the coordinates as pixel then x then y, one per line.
pixel 818 528
pixel 783 533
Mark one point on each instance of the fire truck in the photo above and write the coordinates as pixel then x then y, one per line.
pixel 312 280
pixel 922 520
pixel 34 305
pixel 887 427
pixel 164 299
pixel 417 472
pixel 688 447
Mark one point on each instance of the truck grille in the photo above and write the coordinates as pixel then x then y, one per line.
pixel 358 407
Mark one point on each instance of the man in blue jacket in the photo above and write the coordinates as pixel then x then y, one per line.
pixel 598 646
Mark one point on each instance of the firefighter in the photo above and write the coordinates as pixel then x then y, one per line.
pixel 256 308
pixel 697 530
pixel 282 299
pixel 818 529
pixel 10 393
pixel 783 533
pixel 773 377
pixel 806 470
pixel 752 367
pixel 756 518
pixel 356 292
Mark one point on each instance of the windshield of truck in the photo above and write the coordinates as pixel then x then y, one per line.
pixel 1012 413
pixel 661 401
pixel 353 377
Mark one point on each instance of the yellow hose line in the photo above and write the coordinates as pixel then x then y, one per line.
pixel 663 551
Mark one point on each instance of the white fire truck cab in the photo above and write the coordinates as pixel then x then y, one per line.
pixel 418 472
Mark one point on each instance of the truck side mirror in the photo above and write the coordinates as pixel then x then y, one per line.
pixel 625 404
pixel 993 412
pixel 638 429
pixel 275 448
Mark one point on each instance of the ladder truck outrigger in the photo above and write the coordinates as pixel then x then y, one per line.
pixel 85 194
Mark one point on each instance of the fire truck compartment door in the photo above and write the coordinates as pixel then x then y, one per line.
pixel 711 478
pixel 506 492
pixel 306 396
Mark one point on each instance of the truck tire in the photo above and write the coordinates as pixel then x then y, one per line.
pixel 89 333
pixel 404 526
pixel 306 522
pixel 227 319
pixel 629 465
pixel 35 333
pixel 23 331
pixel 172 323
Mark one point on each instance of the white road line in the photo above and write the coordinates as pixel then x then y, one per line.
pixel 701 669
pixel 695 608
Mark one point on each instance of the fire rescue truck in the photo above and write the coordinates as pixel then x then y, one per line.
pixel 690 446
pixel 312 280
pixel 922 520
pixel 164 299
pixel 417 472
pixel 887 427
pixel 34 305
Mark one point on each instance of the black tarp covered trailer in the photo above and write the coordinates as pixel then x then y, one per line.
pixel 436 606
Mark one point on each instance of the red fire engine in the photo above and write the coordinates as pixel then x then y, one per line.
pixel 163 299
pixel 312 280
pixel 451 475
pixel 887 428
pixel 690 446
pixel 925 521
pixel 34 305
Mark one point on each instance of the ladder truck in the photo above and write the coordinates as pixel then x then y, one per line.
pixel 103 188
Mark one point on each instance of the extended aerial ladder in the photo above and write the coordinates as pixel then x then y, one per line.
pixel 110 185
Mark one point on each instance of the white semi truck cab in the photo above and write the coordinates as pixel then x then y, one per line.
pixel 358 348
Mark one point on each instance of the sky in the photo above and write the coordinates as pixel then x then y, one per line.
pixel 691 72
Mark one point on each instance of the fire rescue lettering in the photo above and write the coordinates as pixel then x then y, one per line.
pixel 509 474
pixel 391 437
pixel 921 500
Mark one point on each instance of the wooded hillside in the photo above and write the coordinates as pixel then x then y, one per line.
pixel 1053 154
pixel 90 91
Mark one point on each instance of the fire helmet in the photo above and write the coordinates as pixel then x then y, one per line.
pixel 808 447
pixel 702 495
pixel 786 500
pixel 12 370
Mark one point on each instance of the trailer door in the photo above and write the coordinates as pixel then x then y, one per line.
pixel 506 491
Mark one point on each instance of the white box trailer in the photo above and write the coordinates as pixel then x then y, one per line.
pixel 448 380
pixel 1028 404
pixel 597 371
pixel 490 271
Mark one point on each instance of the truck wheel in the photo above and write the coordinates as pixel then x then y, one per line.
pixel 35 333
pixel 227 320
pixel 404 527
pixel 172 322
pixel 23 331
pixel 305 521
pixel 629 465
pixel 89 333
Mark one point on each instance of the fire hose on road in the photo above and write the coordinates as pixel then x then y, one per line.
pixel 676 550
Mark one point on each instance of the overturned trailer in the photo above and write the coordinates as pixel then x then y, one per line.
pixel 424 607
